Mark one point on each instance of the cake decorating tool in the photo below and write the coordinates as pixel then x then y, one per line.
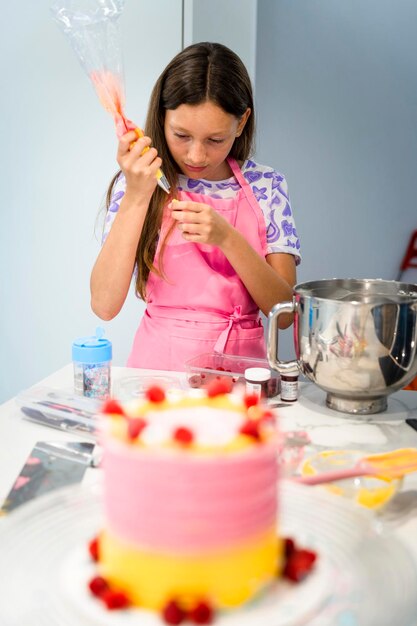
pixel 61 410
pixel 386 466
pixel 110 93
pixel 49 466
pixel 412 423
pixel 92 28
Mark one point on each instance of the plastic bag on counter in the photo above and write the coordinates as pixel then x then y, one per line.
pixel 60 409
pixel 92 27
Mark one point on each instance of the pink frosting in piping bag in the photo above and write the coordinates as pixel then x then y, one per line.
pixel 110 92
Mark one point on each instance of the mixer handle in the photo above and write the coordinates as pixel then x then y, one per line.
pixel 283 367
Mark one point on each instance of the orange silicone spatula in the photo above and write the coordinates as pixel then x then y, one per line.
pixel 386 465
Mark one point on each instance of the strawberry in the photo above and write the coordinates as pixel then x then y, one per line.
pixel 299 564
pixel 183 435
pixel 98 586
pixel 172 613
pixel 250 399
pixel 114 599
pixel 93 549
pixel 135 427
pixel 195 381
pixel 289 547
pixel 202 613
pixel 112 407
pixel 250 428
pixel 155 394
pixel 219 387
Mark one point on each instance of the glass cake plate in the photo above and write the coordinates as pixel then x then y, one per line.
pixel 361 579
pixel 134 387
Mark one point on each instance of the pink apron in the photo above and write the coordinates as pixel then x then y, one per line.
pixel 202 305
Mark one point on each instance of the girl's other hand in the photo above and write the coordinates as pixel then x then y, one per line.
pixel 139 164
pixel 200 222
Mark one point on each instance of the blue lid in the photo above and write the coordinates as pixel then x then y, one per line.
pixel 94 349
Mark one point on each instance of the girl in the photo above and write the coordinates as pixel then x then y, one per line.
pixel 222 246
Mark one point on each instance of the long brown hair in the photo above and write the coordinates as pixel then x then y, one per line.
pixel 200 73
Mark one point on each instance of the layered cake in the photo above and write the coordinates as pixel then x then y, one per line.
pixel 190 500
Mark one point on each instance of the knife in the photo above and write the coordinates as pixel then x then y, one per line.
pixel 412 422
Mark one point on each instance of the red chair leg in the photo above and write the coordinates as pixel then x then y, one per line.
pixel 410 257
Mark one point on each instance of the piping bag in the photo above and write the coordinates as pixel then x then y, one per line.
pixel 92 27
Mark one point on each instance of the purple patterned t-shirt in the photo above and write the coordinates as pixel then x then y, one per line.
pixel 270 189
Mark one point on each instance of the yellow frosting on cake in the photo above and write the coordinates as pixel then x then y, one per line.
pixel 223 401
pixel 228 578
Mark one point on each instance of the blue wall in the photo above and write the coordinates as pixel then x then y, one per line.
pixel 336 89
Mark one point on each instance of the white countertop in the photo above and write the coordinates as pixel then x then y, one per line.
pixel 327 429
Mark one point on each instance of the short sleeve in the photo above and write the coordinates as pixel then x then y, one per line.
pixel 271 191
pixel 281 232
pixel 117 194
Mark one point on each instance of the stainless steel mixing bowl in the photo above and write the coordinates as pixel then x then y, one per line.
pixel 356 339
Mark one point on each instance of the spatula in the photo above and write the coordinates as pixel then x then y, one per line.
pixel 387 465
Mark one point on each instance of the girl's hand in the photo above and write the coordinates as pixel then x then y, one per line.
pixel 200 223
pixel 138 167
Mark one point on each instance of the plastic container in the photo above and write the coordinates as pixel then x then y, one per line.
pixel 205 367
pixel 92 357
pixel 257 380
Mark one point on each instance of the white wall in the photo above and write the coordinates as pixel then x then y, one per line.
pixel 230 22
pixel 58 156
pixel 336 90
pixel 336 93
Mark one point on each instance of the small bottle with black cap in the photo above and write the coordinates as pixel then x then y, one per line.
pixel 289 386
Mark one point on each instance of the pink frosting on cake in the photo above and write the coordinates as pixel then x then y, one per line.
pixel 217 501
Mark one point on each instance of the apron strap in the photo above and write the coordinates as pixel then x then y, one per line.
pixel 250 197
pixel 247 189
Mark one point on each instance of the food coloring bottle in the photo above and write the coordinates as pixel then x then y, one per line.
pixel 257 381
pixel 289 387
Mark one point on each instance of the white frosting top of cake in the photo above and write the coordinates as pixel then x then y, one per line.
pixel 211 427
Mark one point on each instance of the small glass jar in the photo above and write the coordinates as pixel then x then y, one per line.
pixel 257 381
pixel 289 387
pixel 92 357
